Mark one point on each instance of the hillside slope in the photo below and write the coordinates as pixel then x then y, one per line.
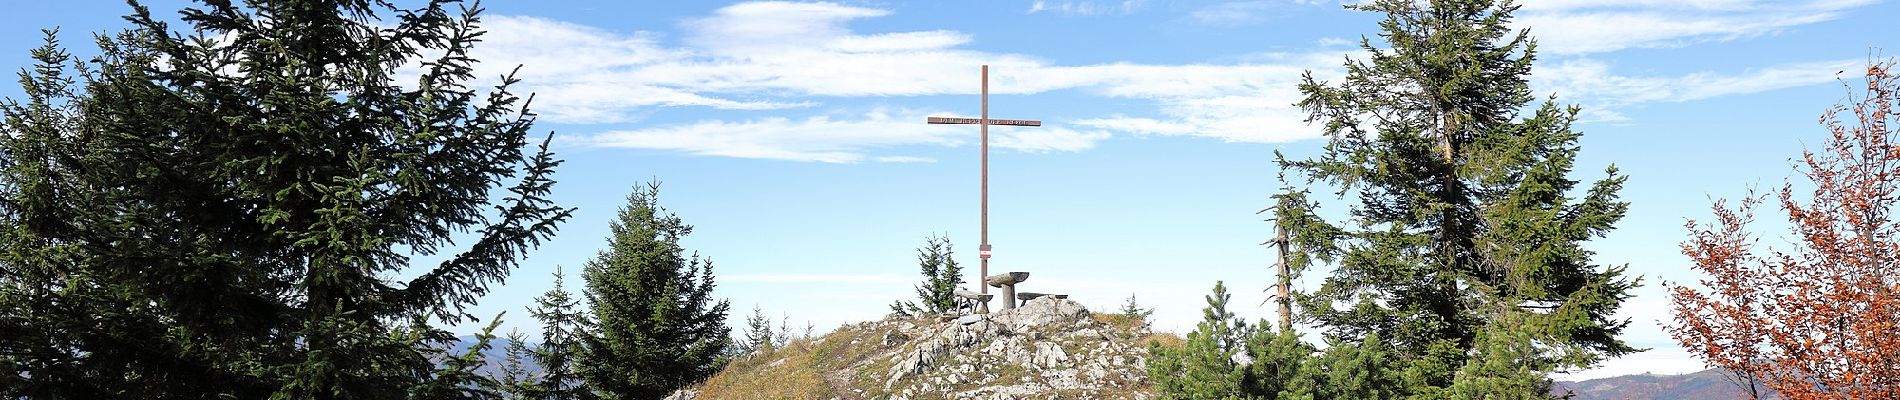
pixel 1048 349
pixel 1707 384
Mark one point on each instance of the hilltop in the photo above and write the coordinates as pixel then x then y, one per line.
pixel 1047 349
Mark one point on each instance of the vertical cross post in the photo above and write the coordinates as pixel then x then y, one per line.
pixel 983 123
pixel 983 249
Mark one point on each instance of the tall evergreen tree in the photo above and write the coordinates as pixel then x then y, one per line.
pixel 223 215
pixel 937 293
pixel 563 326
pixel 1464 222
pixel 657 328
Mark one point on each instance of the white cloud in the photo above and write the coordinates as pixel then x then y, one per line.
pixel 847 139
pixel 789 56
pixel 1594 84
pixel 1590 26
pixel 774 56
pixel 903 159
pixel 1233 12
pixel 1087 8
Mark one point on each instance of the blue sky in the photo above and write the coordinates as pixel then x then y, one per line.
pixel 791 134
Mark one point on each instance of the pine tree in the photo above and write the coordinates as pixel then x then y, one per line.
pixel 1464 217
pixel 223 215
pixel 1204 366
pixel 937 293
pixel 1277 361
pixel 562 327
pixel 656 326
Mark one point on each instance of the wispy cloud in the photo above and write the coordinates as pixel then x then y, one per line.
pixel 1582 27
pixel 796 57
pixel 1594 83
pixel 1087 8
pixel 1233 12
pixel 774 55
pixel 835 139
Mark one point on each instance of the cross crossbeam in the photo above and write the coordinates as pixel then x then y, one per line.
pixel 975 121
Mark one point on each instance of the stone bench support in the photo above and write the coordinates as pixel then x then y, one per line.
pixel 1007 281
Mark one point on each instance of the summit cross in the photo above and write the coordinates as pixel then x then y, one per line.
pixel 984 122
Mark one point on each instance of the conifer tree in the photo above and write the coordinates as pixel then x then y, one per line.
pixel 657 328
pixel 562 326
pixel 1204 366
pixel 1277 361
pixel 937 293
pixel 758 332
pixel 1465 221
pixel 1134 311
pixel 517 382
pixel 459 377
pixel 1349 370
pixel 223 215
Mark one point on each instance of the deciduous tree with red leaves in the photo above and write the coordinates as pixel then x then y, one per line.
pixel 1821 321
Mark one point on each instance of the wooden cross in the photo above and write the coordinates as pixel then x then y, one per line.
pixel 984 122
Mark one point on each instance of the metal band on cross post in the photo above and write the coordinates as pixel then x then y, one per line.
pixel 984 122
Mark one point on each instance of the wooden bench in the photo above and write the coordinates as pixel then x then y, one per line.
pixel 969 300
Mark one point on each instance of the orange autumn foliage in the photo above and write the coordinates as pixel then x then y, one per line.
pixel 1821 321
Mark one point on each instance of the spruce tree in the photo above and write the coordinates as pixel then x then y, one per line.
pixel 1465 221
pixel 225 214
pixel 563 325
pixel 758 333
pixel 657 328
pixel 1134 311
pixel 937 293
pixel 517 381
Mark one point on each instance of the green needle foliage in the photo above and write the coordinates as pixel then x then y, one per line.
pixel 1223 358
pixel 938 291
pixel 563 325
pixel 1204 367
pixel 657 327
pixel 226 213
pixel 1465 245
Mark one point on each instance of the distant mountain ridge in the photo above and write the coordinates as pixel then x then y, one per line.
pixel 1713 384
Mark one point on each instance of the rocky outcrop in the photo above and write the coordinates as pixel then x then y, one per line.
pixel 1049 348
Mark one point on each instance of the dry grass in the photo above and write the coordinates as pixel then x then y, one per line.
pixel 1164 339
pixel 787 373
pixel 799 370
pixel 1119 321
